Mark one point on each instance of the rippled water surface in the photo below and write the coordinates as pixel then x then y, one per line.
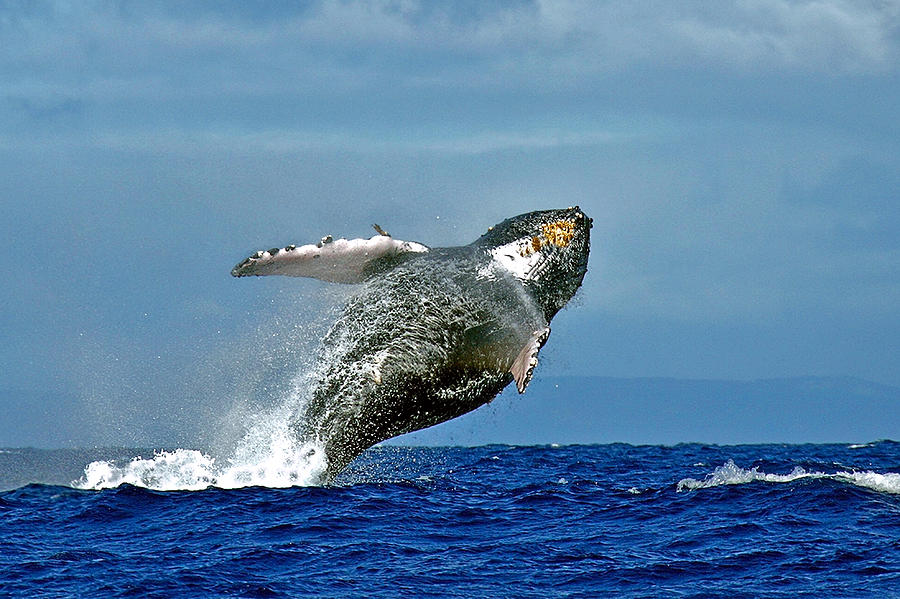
pixel 497 521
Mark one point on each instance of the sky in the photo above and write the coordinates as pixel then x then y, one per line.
pixel 741 162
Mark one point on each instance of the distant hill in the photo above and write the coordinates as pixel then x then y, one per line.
pixel 553 410
pixel 669 411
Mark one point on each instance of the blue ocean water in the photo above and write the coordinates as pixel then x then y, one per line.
pixel 569 521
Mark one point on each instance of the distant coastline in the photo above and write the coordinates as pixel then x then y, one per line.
pixel 668 411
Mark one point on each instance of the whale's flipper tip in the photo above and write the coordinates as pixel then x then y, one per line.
pixel 523 366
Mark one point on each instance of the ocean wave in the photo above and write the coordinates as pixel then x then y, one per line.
pixel 732 474
pixel 282 462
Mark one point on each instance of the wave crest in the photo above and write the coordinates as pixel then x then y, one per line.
pixel 281 462
pixel 732 474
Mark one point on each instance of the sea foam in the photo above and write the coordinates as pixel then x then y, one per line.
pixel 268 455
pixel 194 470
pixel 732 474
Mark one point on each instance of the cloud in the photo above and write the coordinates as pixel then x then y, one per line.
pixel 469 77
pixel 672 121
pixel 527 44
pixel 823 36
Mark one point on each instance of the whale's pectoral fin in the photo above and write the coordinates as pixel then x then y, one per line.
pixel 523 366
pixel 333 260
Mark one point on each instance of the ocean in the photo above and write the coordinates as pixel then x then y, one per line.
pixel 494 521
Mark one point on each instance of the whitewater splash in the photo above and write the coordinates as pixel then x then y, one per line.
pixel 193 470
pixel 269 455
pixel 256 390
pixel 732 474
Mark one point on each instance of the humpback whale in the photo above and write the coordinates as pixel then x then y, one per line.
pixel 432 333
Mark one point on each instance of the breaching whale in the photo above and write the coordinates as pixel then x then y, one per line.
pixel 432 333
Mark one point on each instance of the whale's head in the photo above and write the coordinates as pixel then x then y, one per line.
pixel 547 250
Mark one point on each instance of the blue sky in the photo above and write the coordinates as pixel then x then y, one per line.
pixel 741 162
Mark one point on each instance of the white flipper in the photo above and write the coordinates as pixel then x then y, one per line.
pixel 333 260
pixel 523 366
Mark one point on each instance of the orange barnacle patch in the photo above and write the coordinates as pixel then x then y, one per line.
pixel 536 244
pixel 559 233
